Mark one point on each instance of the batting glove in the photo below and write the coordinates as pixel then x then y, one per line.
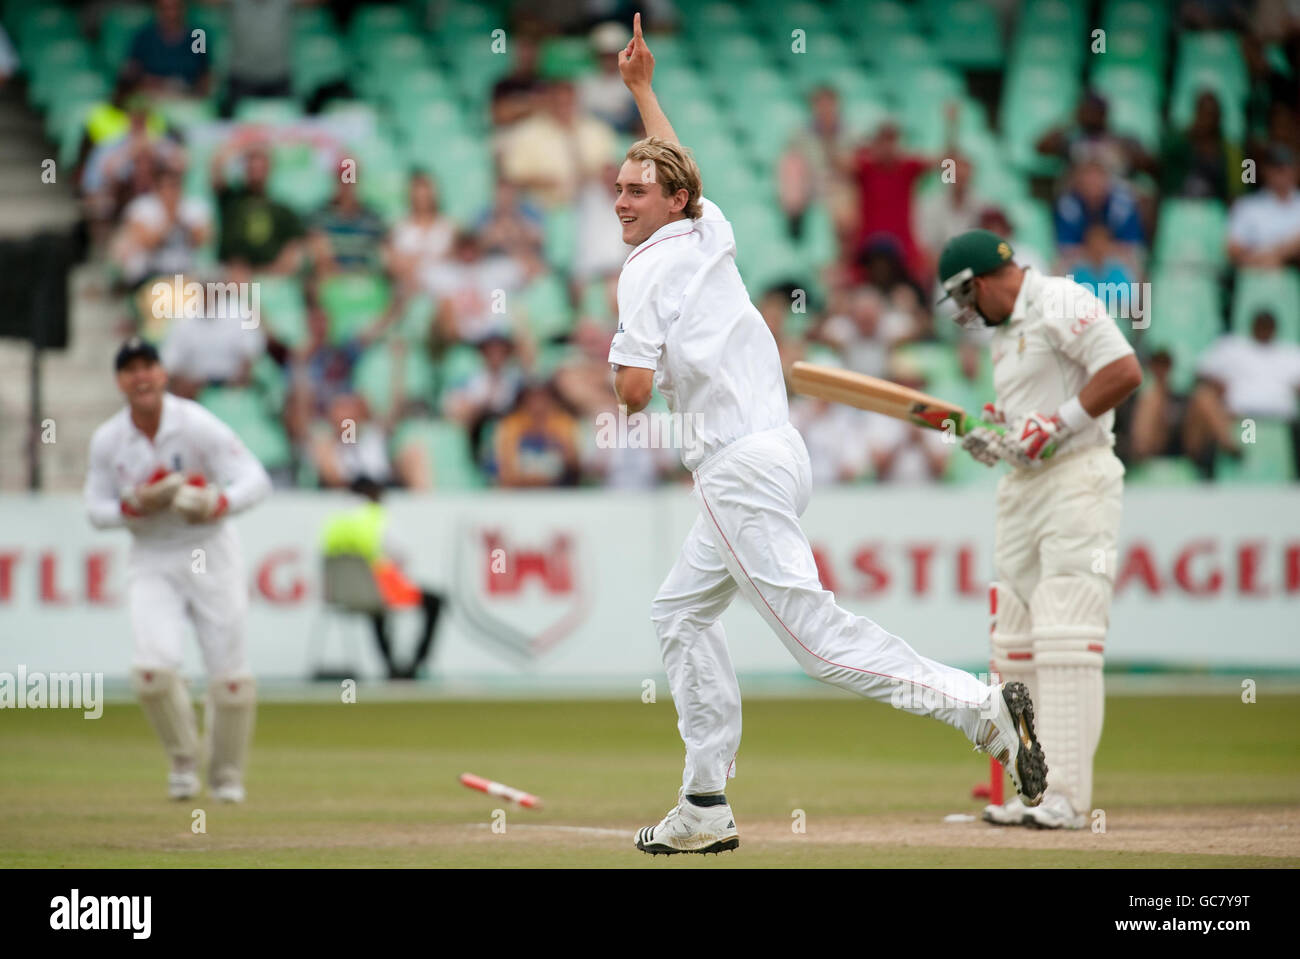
pixel 154 494
pixel 198 502
pixel 1035 437
pixel 983 443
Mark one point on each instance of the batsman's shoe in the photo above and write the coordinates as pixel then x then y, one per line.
pixel 690 828
pixel 1011 813
pixel 1055 813
pixel 1008 736
pixel 182 785
pixel 229 792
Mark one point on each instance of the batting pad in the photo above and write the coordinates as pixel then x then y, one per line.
pixel 231 705
pixel 1011 639
pixel 1070 615
pixel 166 702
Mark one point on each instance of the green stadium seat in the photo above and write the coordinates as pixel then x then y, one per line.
pixel 313 21
pixel 1191 233
pixel 1136 14
pixel 244 412
pixel 595 305
pixel 967 33
pixel 272 111
pixel 318 59
pixel 458 366
pixel 1186 316
pixel 875 25
pixel 1162 471
pixel 1270 459
pixel 1277 291
pixel 298 178
pixel 117 27
pixel 446 445
pixel 1190 80
pixel 375 377
pixel 1129 46
pixel 560 237
pixel 1120 81
pixel 715 20
pixel 352 301
pixel 37 24
pixel 282 308
pixel 415 325
pixel 1219 51
pixel 544 304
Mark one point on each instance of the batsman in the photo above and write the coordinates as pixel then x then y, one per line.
pixel 1060 367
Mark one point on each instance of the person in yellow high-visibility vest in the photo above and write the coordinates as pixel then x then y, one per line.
pixel 362 531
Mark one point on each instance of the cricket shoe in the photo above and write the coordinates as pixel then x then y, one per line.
pixel 1011 813
pixel 1008 736
pixel 229 792
pixel 690 828
pixel 1055 813
pixel 182 785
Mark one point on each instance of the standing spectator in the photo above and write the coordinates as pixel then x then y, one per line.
pixel 1199 161
pixel 603 93
pixel 257 233
pixel 886 178
pixel 553 152
pixel 346 236
pixel 1264 228
pixel 814 168
pixel 1096 197
pixel 423 238
pixel 163 59
pixel 261 40
pixel 161 232
pixel 537 444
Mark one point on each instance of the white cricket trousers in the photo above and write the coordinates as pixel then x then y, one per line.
pixel 199 582
pixel 747 538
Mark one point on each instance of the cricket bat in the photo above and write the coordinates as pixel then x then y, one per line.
pixel 881 396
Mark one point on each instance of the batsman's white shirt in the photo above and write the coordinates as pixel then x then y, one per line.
pixel 1058 335
pixel 684 312
pixel 179 571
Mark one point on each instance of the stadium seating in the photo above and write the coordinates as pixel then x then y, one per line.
pixel 1269 459
pixel 1277 291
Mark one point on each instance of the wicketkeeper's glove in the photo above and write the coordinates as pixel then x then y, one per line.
pixel 198 502
pixel 154 494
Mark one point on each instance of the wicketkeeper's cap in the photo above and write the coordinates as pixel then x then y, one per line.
pixel 969 255
pixel 135 346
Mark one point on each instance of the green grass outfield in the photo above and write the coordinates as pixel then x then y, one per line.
pixel 1182 781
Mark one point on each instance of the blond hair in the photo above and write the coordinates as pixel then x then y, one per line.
pixel 671 166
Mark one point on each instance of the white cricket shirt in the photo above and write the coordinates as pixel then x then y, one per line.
pixel 1058 335
pixel 190 440
pixel 683 312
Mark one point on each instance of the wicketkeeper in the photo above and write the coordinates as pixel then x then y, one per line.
pixel 1060 367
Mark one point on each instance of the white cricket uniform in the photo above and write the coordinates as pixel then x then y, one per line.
pixel 169 581
pixel 1058 523
pixel 684 312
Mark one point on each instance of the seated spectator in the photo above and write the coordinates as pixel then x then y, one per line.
pixel 515 96
pixel 816 167
pixel 583 382
pixel 1090 139
pixel 490 394
pixel 261 42
pixel 346 236
pixel 423 238
pixel 603 93
pixel 162 57
pixel 1199 162
pixel 320 370
pixel 257 233
pixel 512 226
pixel 774 306
pixel 866 332
pixel 473 291
pixel 836 437
pixel 901 452
pixel 1096 197
pixel 1098 263
pixel 600 248
pixel 111 176
pixel 553 152
pixel 1264 228
pixel 537 444
pixel 1259 374
pixel 352 447
pixel 1159 414
pixel 161 232
pixel 211 349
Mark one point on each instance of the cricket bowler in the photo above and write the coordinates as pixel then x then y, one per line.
pixel 171 473
pixel 1060 367
pixel 688 327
